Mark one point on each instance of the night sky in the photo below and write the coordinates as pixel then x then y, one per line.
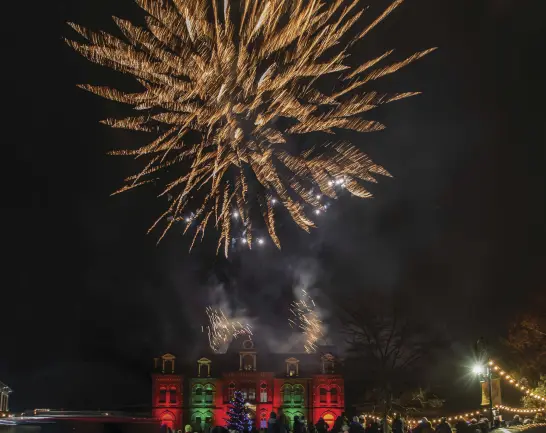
pixel 88 298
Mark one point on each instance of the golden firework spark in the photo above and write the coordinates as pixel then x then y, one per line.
pixel 221 330
pixel 225 87
pixel 306 319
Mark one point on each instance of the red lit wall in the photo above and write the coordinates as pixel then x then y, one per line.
pixel 167 399
pixel 331 403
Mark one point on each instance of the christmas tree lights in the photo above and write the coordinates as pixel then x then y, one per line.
pixel 238 414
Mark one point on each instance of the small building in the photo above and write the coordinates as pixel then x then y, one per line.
pixel 304 385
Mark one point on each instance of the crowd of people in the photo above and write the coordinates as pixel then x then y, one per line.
pixel 280 423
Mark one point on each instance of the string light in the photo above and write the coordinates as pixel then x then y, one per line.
pixel 436 420
pixel 371 416
pixel 520 410
pixel 509 379
pixel 452 417
pixel 503 374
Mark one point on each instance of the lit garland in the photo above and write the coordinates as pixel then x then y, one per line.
pixel 238 418
pixel 520 410
pixel 506 377
pixel 478 412
pixel 461 416
pixel 503 374
pixel 371 416
pixel 456 417
pixel 433 421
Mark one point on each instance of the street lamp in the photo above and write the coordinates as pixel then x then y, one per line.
pixel 485 373
pixel 478 369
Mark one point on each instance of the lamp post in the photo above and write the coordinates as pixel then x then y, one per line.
pixel 484 371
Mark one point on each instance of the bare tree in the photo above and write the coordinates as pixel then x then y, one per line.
pixel 388 341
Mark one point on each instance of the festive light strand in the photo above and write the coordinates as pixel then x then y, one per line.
pixel 520 410
pixel 461 416
pixel 436 420
pixel 512 381
pixel 225 88
pixel 484 411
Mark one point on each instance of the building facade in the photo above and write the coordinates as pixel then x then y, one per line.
pixel 167 392
pixel 306 385
pixel 5 391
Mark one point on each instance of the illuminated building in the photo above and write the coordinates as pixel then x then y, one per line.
pixel 5 391
pixel 167 396
pixel 306 385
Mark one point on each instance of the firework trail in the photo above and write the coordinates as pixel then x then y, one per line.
pixel 225 86
pixel 221 330
pixel 304 317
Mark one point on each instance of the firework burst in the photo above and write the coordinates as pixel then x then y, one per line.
pixel 305 317
pixel 222 330
pixel 225 87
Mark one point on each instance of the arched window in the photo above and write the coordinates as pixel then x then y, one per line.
pixel 297 394
pixel 292 367
pixel 286 392
pixel 263 419
pixel 209 393
pixel 329 418
pixel 231 390
pixel 263 393
pixel 248 363
pixel 333 396
pixel 322 395
pixel 203 367
pixel 299 414
pixel 251 392
pixel 172 394
pixel 198 394
pixel 163 395
pixel 167 419
pixel 328 363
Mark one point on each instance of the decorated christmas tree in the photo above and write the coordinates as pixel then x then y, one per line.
pixel 238 414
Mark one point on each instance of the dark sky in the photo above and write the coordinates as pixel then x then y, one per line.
pixel 88 298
